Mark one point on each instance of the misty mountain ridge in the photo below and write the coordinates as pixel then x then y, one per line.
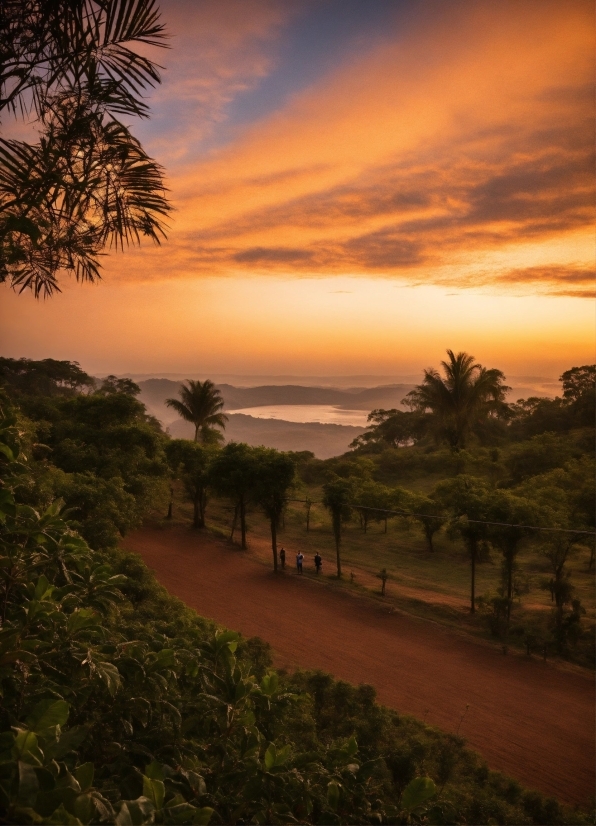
pixel 154 392
pixel 324 440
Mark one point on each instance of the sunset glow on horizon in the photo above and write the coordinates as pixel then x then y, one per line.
pixel 356 188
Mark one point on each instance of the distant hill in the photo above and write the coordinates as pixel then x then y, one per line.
pixel 154 392
pixel 324 440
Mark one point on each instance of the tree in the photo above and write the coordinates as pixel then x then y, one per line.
pixel 467 394
pixel 47 377
pixel 112 384
pixel 579 391
pixel 371 498
pixel 468 499
pixel 337 498
pixel 192 462
pixel 234 473
pixel 87 183
pixel 428 512
pixel 201 404
pixel 516 515
pixel 275 473
pixel 393 428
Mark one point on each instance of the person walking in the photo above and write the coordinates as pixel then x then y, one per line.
pixel 282 558
pixel 299 561
pixel 318 562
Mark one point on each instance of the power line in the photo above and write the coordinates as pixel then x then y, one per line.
pixel 444 518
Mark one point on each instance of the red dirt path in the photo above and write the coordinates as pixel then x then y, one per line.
pixel 529 719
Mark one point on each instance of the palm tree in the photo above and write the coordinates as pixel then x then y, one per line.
pixel 467 393
pixel 78 70
pixel 201 403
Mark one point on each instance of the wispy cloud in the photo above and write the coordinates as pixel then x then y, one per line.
pixel 452 155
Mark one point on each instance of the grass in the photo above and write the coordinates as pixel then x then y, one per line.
pixel 431 585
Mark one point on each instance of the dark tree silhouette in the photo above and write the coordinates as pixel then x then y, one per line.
pixel 337 498
pixel 467 394
pixel 73 67
pixel 469 501
pixel 274 476
pixel 234 473
pixel 201 403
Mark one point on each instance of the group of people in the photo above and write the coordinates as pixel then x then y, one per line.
pixel 300 560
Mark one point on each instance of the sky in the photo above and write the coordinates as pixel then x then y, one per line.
pixel 356 186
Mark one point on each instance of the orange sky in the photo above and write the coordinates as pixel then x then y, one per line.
pixel 424 181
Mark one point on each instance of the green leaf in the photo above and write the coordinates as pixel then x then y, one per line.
pixel 417 792
pixel 69 741
pixel 269 757
pixel 81 618
pixel 352 746
pixel 47 715
pixel 187 813
pixel 84 775
pixel 26 748
pixel 270 683
pixel 135 812
pixel 154 790
pixel 110 675
pixel 43 589
pixel 61 817
pixel 276 757
pixel 83 807
pixel 333 795
pixel 28 784
pixel 154 771
pixel 7 452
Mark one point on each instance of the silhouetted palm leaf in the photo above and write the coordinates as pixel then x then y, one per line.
pixel 88 182
pixel 201 403
pixel 467 393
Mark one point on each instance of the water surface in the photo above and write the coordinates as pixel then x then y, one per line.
pixel 323 413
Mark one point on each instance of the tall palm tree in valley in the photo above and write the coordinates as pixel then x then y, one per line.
pixel 201 403
pixel 465 394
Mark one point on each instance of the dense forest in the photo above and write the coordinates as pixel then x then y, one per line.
pixel 121 705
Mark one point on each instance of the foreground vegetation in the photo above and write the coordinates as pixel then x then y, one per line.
pixel 121 705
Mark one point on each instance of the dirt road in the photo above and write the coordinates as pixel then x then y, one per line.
pixel 527 718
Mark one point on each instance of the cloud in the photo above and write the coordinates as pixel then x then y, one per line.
pixel 218 50
pixel 460 153
pixel 276 255
pixel 574 281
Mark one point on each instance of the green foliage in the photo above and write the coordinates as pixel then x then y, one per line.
pixel 338 495
pixel 120 705
pixel 48 377
pixel 100 452
pixel 191 462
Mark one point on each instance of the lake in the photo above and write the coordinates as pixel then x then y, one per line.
pixel 323 413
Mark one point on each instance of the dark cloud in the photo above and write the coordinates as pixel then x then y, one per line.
pixel 255 255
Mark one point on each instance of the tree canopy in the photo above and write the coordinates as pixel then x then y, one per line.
pixel 201 404
pixel 465 394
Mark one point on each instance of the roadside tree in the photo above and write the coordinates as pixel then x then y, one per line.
pixel 191 463
pixel 514 516
pixel 468 500
pixel 275 474
pixel 338 495
pixel 234 474
pixel 428 512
